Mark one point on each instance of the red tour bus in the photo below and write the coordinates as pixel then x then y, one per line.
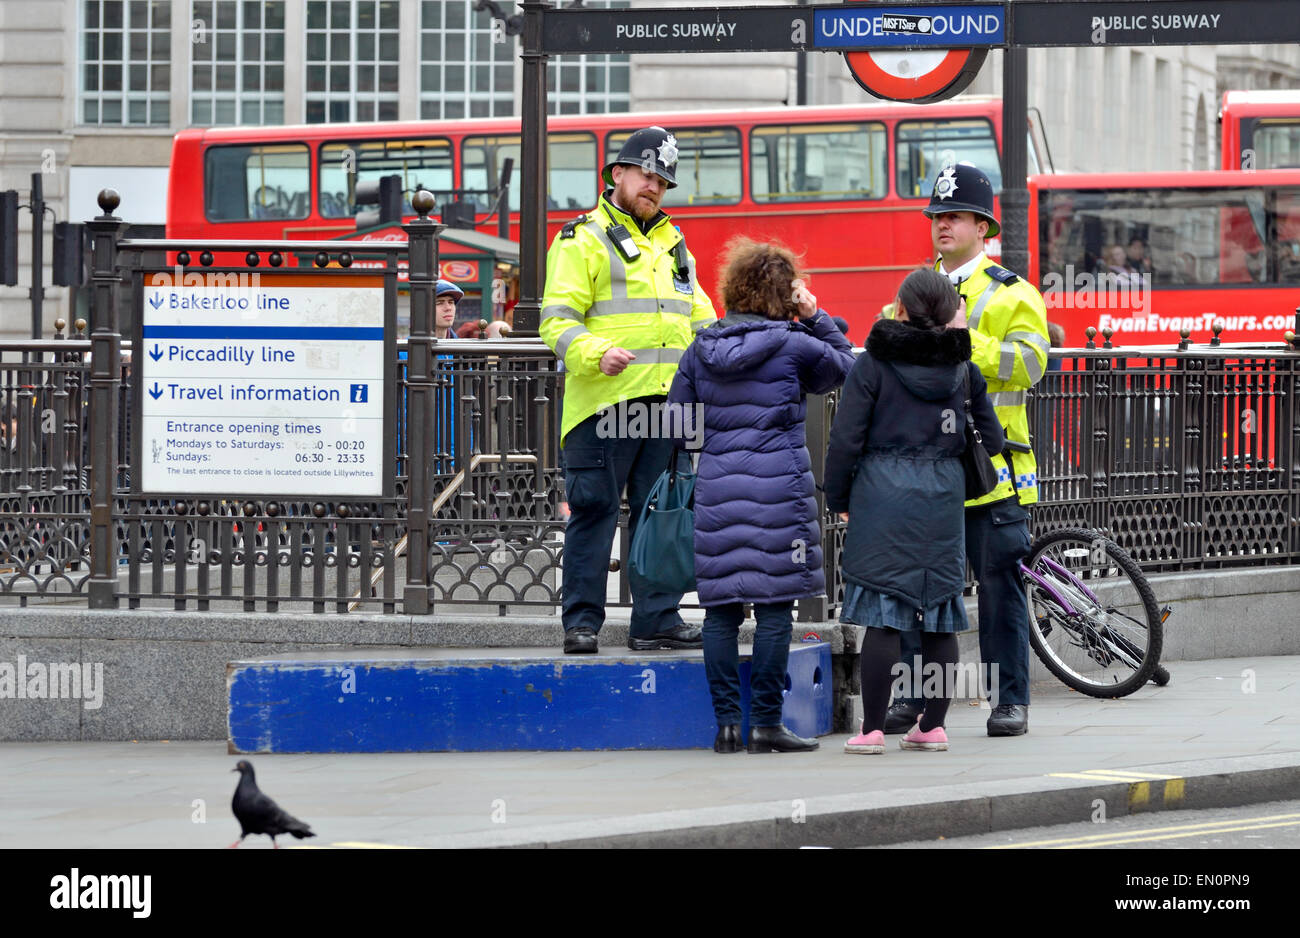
pixel 1260 130
pixel 1149 254
pixel 842 185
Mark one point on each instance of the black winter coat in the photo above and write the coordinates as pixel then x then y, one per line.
pixel 893 462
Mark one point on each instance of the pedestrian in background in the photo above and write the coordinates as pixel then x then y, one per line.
pixel 757 538
pixel 894 466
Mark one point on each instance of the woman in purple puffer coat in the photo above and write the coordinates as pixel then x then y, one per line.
pixel 756 534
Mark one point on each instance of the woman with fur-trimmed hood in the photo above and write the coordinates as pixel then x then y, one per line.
pixel 894 466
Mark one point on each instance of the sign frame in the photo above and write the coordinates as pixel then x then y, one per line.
pixel 136 386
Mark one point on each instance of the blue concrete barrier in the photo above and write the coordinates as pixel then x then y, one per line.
pixel 492 700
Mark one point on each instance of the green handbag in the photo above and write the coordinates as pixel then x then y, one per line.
pixel 662 557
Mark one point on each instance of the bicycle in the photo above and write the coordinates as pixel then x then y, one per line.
pixel 1094 622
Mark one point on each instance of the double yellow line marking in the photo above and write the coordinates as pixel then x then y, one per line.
pixel 1161 833
pixel 1139 792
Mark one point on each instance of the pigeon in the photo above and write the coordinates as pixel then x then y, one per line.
pixel 258 814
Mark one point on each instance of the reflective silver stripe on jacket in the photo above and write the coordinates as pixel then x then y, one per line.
pixel 566 338
pixel 647 304
pixel 656 356
pixel 1007 398
pixel 1034 369
pixel 617 269
pixel 560 311
pixel 699 325
pixel 973 316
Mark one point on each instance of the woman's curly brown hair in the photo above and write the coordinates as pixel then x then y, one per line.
pixel 757 278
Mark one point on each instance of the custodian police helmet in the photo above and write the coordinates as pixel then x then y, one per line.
pixel 963 188
pixel 653 149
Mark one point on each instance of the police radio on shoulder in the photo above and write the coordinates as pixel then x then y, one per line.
pixel 623 241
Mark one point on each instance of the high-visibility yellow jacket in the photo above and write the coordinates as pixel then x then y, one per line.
pixel 1007 319
pixel 596 299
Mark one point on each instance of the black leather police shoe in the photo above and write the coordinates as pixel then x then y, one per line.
pixel 728 739
pixel 580 641
pixel 901 717
pixel 1009 720
pixel 778 739
pixel 680 636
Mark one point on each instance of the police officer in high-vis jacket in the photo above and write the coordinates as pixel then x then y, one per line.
pixel 1007 319
pixel 622 302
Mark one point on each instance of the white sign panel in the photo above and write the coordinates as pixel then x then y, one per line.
pixel 262 384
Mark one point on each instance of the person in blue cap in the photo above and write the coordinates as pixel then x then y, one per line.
pixel 445 297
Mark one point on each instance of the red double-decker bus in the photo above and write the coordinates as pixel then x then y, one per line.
pixel 1260 130
pixel 842 185
pixel 1150 254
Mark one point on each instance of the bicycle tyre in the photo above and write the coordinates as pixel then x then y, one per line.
pixel 1046 616
pixel 1160 677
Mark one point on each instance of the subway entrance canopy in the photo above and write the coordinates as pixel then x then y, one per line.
pixel 907 51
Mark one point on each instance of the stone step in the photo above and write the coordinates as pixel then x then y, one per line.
pixel 498 699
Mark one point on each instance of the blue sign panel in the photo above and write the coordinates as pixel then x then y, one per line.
pixel 910 27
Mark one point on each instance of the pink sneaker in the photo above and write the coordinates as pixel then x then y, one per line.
pixel 934 741
pixel 872 744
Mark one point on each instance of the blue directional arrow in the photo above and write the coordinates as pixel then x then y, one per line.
pixel 156 353
pixel 156 300
pixel 155 392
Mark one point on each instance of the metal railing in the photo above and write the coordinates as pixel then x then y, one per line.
pixel 1190 458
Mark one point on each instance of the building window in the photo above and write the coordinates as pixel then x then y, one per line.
pixel 352 50
pixel 125 62
pixel 238 73
pixel 467 62
pixel 588 84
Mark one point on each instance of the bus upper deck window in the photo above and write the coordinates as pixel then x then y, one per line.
pixel 925 147
pixel 571 169
pixel 248 183
pixel 818 162
pixel 708 165
pixel 423 163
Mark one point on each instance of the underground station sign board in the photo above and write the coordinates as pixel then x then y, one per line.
pixel 886 26
pixel 261 384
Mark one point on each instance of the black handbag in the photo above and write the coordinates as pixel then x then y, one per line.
pixel 981 477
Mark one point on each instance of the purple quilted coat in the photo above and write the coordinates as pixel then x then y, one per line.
pixel 756 532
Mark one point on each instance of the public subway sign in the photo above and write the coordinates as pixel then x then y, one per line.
pixel 1159 22
pixel 261 384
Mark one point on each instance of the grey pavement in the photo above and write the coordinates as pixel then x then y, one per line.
pixel 1223 732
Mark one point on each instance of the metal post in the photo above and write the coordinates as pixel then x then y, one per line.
pixel 1015 160
pixel 532 208
pixel 801 76
pixel 38 254
pixel 105 379
pixel 422 250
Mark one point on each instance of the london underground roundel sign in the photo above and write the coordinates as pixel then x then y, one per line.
pixel 919 76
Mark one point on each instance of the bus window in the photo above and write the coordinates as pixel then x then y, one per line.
pixel 244 183
pixel 424 163
pixel 571 161
pixel 820 162
pixel 708 166
pixel 1191 236
pixel 1276 143
pixel 925 147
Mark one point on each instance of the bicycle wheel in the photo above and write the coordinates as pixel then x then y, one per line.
pixel 1093 617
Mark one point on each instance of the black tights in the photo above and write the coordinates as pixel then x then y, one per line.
pixel 880 651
